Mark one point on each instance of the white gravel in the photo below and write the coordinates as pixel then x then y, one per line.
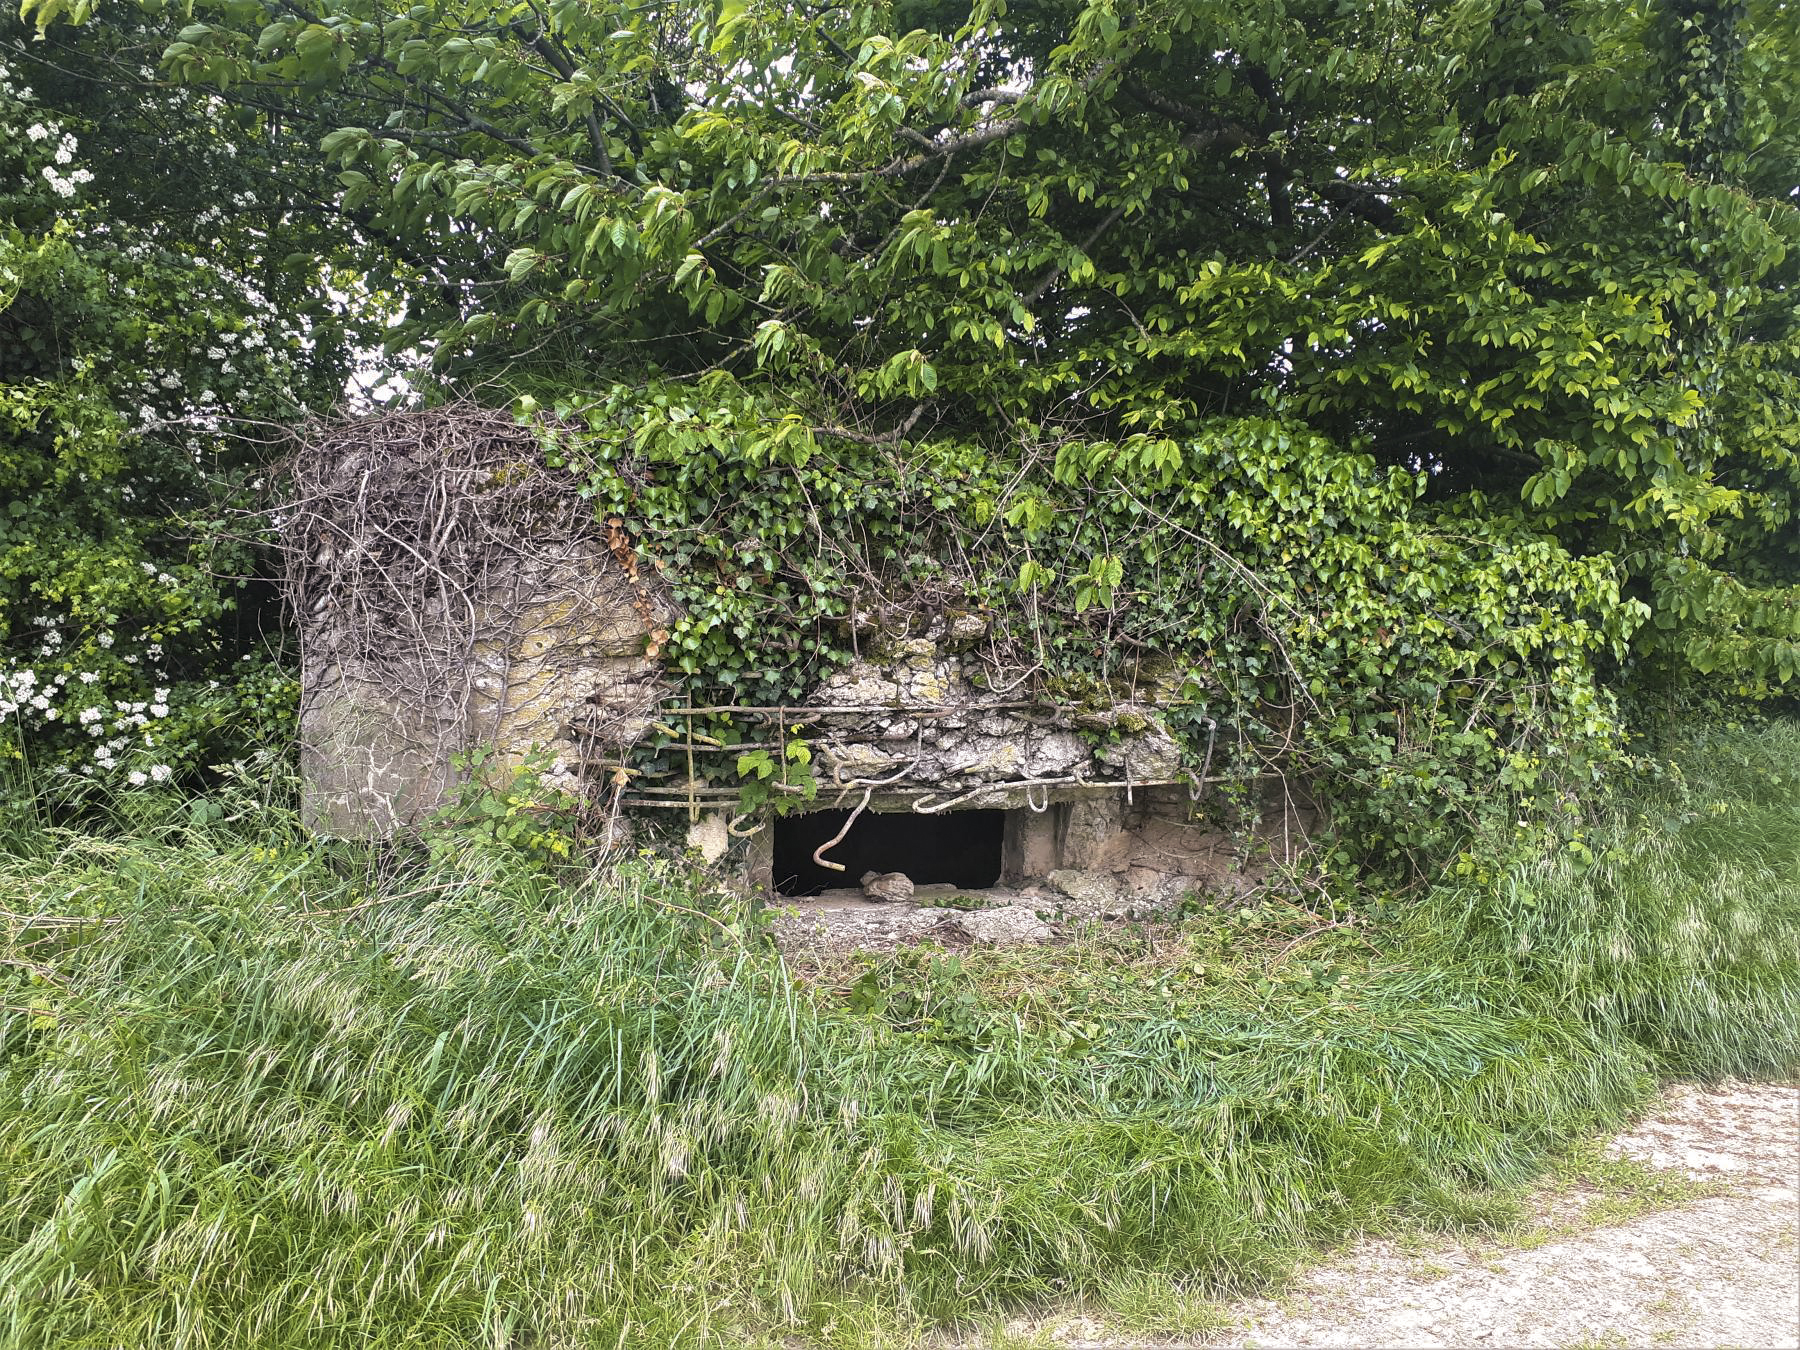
pixel 1720 1271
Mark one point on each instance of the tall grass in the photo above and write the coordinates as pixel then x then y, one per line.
pixel 257 1093
pixel 1677 923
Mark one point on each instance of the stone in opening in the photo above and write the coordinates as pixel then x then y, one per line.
pixel 957 848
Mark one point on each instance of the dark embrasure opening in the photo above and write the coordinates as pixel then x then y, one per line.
pixel 957 848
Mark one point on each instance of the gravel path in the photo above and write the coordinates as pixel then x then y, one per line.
pixel 1720 1270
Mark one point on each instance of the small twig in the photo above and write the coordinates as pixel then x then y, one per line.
pixel 42 972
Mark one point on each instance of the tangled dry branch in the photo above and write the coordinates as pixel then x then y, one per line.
pixel 419 544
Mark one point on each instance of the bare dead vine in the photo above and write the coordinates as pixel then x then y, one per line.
pixel 414 542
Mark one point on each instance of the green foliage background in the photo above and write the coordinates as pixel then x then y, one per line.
pixel 1414 379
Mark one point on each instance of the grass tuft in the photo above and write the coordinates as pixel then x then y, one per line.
pixel 1150 1303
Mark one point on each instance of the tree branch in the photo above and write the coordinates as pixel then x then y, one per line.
pixel 1362 201
pixel 1045 282
pixel 470 120
pixel 560 63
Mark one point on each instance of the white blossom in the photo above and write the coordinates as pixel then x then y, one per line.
pixel 61 186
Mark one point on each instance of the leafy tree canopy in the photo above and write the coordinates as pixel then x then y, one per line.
pixel 1078 295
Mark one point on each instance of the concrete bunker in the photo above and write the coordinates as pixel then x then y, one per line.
pixel 458 600
pixel 1098 850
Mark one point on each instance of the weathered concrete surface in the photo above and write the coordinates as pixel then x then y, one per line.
pixel 928 721
pixel 369 763
pixel 1092 891
pixel 561 678
pixel 836 924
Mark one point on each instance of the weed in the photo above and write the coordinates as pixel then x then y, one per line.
pixel 958 900
pixel 1623 1189
pixel 1585 1188
pixel 1602 1340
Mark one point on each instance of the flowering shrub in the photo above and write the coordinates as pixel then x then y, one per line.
pixel 137 342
